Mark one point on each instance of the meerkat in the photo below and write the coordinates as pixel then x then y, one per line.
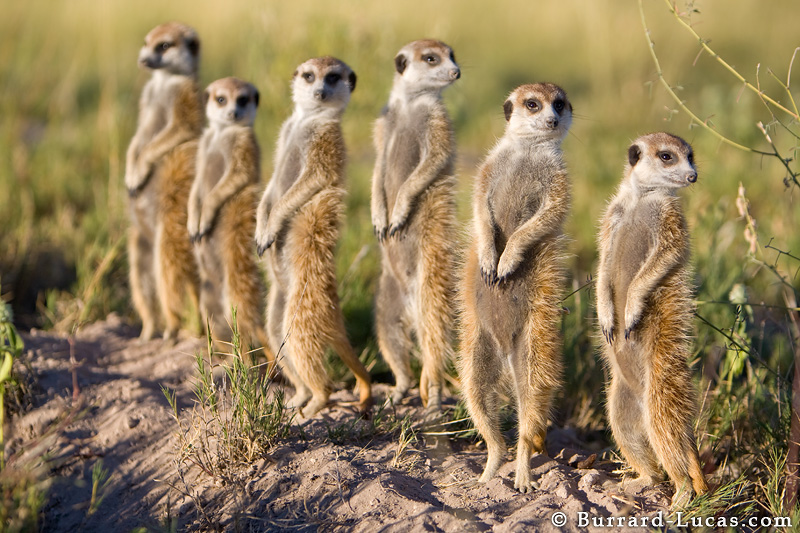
pixel 159 172
pixel 298 225
pixel 644 307
pixel 514 276
pixel 413 215
pixel 222 212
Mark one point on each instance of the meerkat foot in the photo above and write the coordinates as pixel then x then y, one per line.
pixel 683 495
pixel 631 485
pixel 522 479
pixel 147 333
pixel 170 336
pixel 314 406
pixel 301 396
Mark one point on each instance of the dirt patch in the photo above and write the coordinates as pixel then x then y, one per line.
pixel 312 480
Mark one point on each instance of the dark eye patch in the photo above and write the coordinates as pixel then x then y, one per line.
pixel 533 104
pixel 163 46
pixel 308 76
pixel 431 59
pixel 666 157
pixel 333 78
pixel 221 100
pixel 242 101
pixel 558 105
pixel 452 56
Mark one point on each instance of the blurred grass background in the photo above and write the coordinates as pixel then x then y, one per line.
pixel 69 87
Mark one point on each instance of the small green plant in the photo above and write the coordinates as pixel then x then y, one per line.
pixel 235 419
pixel 100 482
pixel 11 347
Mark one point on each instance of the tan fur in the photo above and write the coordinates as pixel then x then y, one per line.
pixel 159 170
pixel 644 291
pixel 222 214
pixel 514 278
pixel 298 225
pixel 413 214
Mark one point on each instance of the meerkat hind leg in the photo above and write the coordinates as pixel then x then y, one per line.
pixel 143 282
pixel 481 380
pixel 628 426
pixel 670 431
pixel 363 381
pixel 533 407
pixel 394 340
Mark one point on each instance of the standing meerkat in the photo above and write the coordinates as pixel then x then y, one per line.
pixel 413 214
pixel 159 173
pixel 514 276
pixel 298 225
pixel 222 212
pixel 644 306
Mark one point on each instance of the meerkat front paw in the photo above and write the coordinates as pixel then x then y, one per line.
pixel 204 227
pixel 507 265
pixel 379 225
pixel 265 237
pixel 605 316
pixel 633 315
pixel 399 216
pixel 139 177
pixel 488 265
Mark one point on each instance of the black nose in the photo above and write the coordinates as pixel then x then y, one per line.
pixel 455 73
pixel 320 94
pixel 552 123
pixel 692 177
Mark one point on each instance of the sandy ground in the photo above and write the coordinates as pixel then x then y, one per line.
pixel 119 414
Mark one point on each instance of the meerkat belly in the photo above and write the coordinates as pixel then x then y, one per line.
pixel 402 257
pixel 402 157
pixel 504 312
pixel 144 208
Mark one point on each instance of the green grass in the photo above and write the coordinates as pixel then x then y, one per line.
pixel 68 94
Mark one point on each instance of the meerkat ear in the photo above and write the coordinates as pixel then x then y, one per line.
pixel 634 153
pixel 400 63
pixel 508 107
pixel 294 75
pixel 206 96
pixel 256 97
pixel 193 44
pixel 351 80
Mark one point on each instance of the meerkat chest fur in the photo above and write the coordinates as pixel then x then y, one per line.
pixel 406 140
pixel 216 146
pixel 520 177
pixel 635 236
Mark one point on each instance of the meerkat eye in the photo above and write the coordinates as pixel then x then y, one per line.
pixel 163 47
pixel 333 78
pixel 558 105
pixel 431 59
pixel 221 100
pixel 242 101
pixel 309 77
pixel 665 156
pixel 532 104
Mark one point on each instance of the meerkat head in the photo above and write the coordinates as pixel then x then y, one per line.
pixel 540 110
pixel 231 101
pixel 661 160
pixel 424 66
pixel 323 83
pixel 172 47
